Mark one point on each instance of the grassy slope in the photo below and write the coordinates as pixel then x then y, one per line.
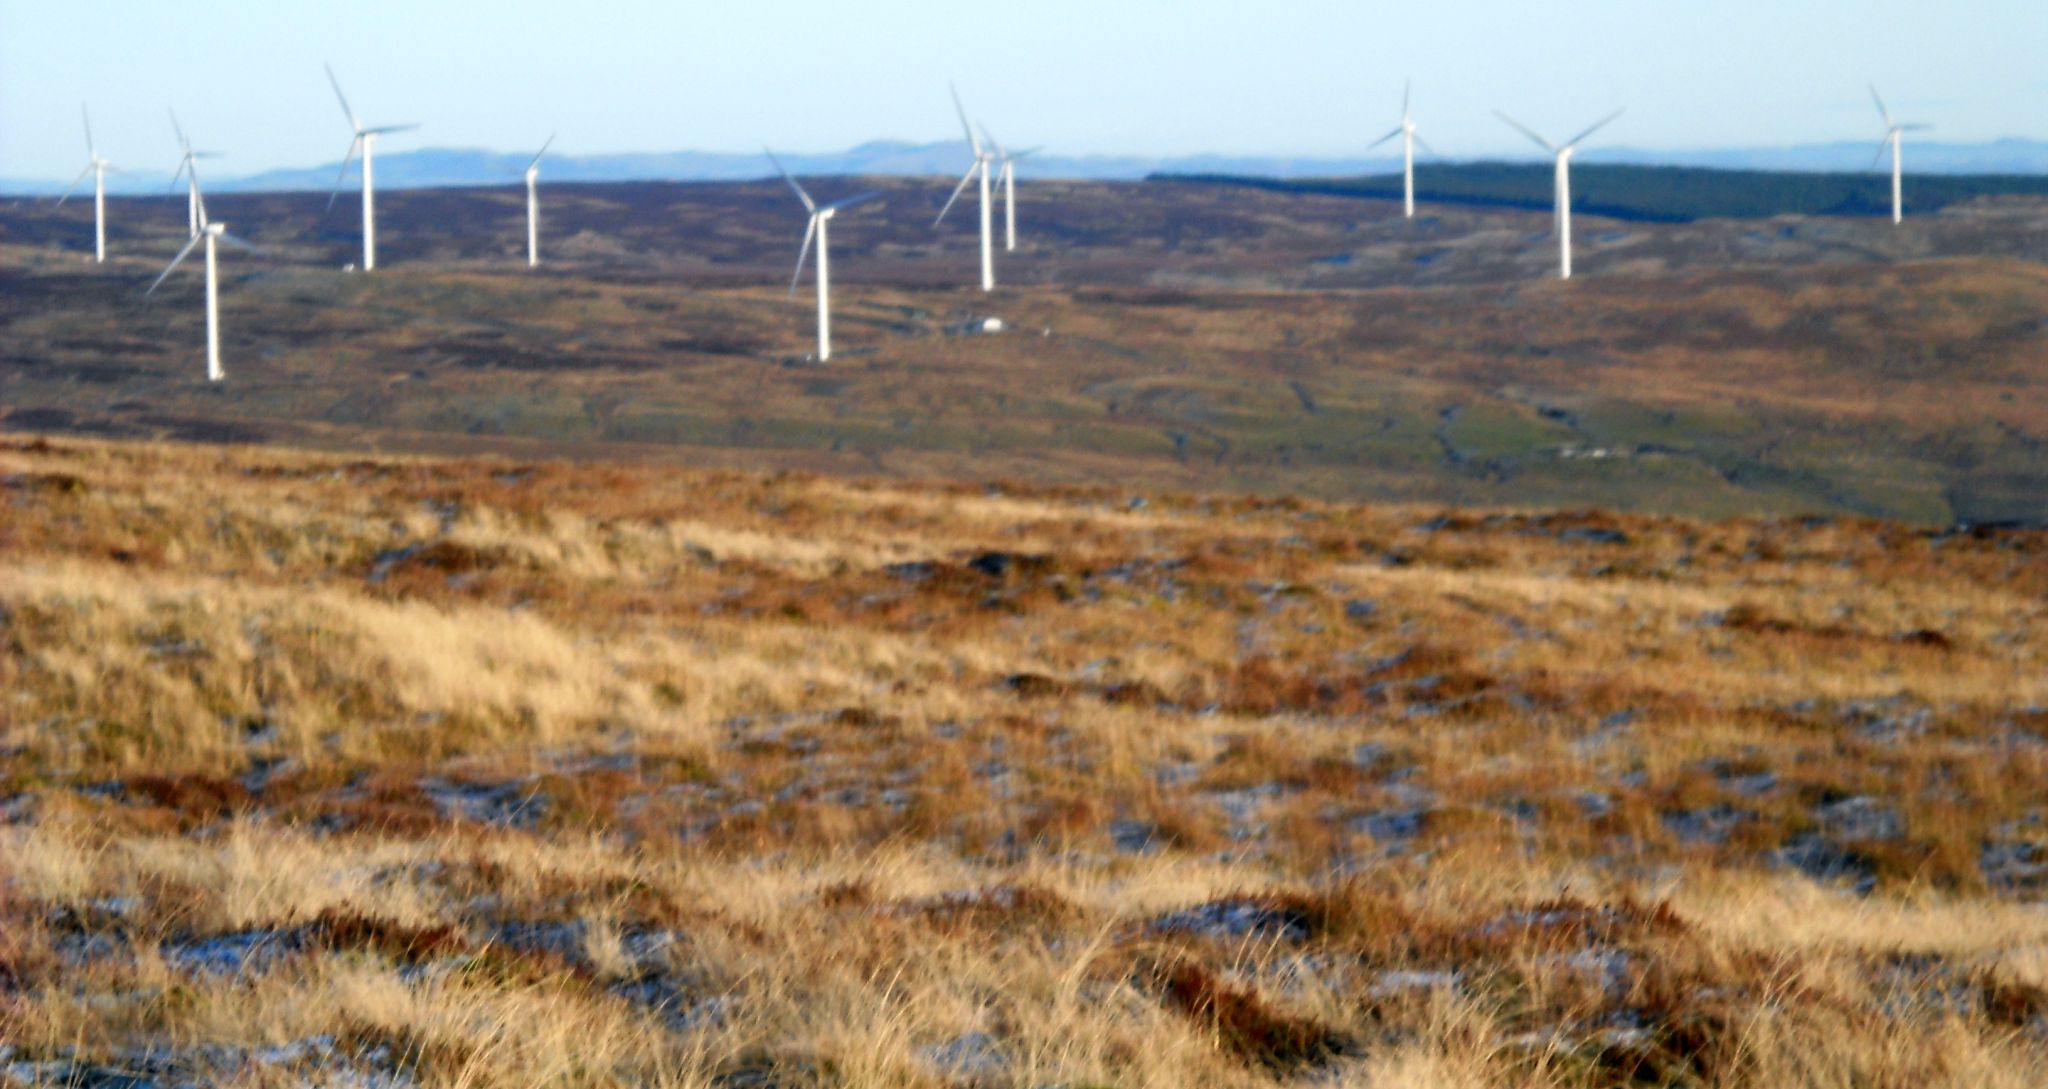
pixel 517 772
pixel 1200 338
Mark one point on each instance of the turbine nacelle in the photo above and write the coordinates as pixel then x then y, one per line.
pixel 1894 142
pixel 94 163
pixel 361 138
pixel 211 233
pixel 1893 128
pixel 973 141
pixel 1408 131
pixel 533 204
pixel 816 230
pixel 1569 146
pixel 187 153
pixel 983 168
pixel 1561 157
pixel 96 168
pixel 357 126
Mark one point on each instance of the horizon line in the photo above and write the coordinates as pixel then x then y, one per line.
pixel 35 186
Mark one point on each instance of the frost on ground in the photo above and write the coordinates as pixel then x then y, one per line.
pixel 318 771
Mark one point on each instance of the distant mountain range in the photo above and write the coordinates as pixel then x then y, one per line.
pixel 446 167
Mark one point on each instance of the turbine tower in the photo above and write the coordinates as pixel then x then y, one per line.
pixel 365 139
pixel 1008 159
pixel 209 233
pixel 188 168
pixel 1406 130
pixel 820 228
pixel 1563 155
pixel 533 206
pixel 982 158
pixel 97 167
pixel 1893 138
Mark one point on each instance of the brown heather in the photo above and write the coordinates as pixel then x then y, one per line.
pixel 475 773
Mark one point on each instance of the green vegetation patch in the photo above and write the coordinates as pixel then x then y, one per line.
pixel 1661 194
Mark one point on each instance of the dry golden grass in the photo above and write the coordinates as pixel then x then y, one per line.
pixel 479 773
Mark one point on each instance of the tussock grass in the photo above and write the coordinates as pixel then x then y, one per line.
pixel 477 773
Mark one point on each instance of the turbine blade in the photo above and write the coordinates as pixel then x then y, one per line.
pixel 810 205
pixel 347 157
pixel 993 142
pixel 1384 139
pixel 1597 126
pixel 1424 145
pixel 76 182
pixel 90 153
pixel 1887 114
pixel 848 202
pixel 381 129
pixel 241 245
pixel 175 261
pixel 349 113
pixel 1882 146
pixel 957 190
pixel 184 165
pixel 1405 89
pixel 1525 130
pixel 183 144
pixel 1916 127
pixel 1026 152
pixel 803 255
pixel 973 141
pixel 543 151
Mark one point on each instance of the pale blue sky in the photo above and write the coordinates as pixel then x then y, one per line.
pixel 1082 76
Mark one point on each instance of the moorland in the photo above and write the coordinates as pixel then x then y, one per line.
pixel 1661 194
pixel 323 769
pixel 1172 334
pixel 1301 647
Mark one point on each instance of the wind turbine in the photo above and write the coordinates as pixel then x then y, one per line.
pixel 820 227
pixel 97 167
pixel 1894 137
pixel 981 164
pixel 188 168
pixel 1406 130
pixel 1563 155
pixel 533 206
pixel 1008 159
pixel 210 233
pixel 366 140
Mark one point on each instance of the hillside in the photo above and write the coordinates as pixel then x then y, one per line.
pixel 365 770
pixel 409 167
pixel 1659 194
pixel 1193 337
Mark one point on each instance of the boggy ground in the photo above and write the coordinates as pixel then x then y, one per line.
pixel 1173 336
pixel 330 771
